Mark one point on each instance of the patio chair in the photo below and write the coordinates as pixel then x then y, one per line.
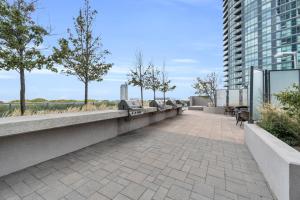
pixel 242 116
pixel 229 110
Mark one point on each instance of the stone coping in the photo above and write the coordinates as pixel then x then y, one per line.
pixel 20 125
pixel 287 153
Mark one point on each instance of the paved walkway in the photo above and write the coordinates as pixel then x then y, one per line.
pixel 196 156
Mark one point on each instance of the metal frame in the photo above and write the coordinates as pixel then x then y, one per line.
pixel 266 87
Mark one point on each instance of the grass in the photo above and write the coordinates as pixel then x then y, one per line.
pixel 12 110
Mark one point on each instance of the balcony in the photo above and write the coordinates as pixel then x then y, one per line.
pixel 238 76
pixel 238 69
pixel 238 25
pixel 238 44
pixel 238 11
pixel 238 63
pixel 238 32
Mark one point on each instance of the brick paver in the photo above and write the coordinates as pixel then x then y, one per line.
pixel 196 156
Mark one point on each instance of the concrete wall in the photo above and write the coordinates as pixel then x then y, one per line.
pixel 19 150
pixel 199 101
pixel 214 110
pixel 279 163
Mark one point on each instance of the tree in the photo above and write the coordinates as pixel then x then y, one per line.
pixel 81 53
pixel 136 76
pixel 152 79
pixel 207 86
pixel 165 83
pixel 20 42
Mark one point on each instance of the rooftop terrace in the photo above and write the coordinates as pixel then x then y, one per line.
pixel 196 156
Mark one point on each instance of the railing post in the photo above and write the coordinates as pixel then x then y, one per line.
pixel 251 95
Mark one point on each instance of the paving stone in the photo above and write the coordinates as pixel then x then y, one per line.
pixel 198 171
pixel 111 190
pixel 215 181
pixel 74 196
pixel 97 196
pixel 33 196
pixel 147 195
pixel 160 193
pixel 137 177
pixel 22 189
pixel 196 196
pixel 121 197
pixel 134 191
pixel 180 175
pixel 204 189
pixel 71 178
pixel 178 193
pixel 88 188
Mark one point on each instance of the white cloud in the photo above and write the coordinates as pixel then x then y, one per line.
pixel 115 80
pixel 119 70
pixel 185 61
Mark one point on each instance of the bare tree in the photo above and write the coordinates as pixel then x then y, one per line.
pixel 165 83
pixel 152 79
pixel 136 76
pixel 207 86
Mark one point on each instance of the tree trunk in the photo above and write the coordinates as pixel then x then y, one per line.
pixel 164 98
pixel 86 92
pixel 142 96
pixel 22 91
pixel 154 94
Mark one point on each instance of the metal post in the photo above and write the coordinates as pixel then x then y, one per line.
pixel 251 94
pixel 295 60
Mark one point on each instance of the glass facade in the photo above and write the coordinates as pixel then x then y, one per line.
pixel 233 53
pixel 268 27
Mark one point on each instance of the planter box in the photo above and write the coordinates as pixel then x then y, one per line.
pixel 279 163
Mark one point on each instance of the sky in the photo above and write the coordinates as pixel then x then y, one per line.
pixel 187 34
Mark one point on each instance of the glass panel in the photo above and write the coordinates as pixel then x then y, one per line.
pixel 257 93
pixel 234 97
pixel 245 97
pixel 221 98
pixel 280 81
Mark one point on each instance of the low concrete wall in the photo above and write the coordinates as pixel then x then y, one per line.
pixel 195 108
pixel 279 163
pixel 214 110
pixel 199 101
pixel 26 141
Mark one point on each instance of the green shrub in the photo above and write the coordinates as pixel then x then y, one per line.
pixel 279 123
pixel 290 99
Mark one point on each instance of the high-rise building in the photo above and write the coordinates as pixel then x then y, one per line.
pixel 254 32
pixel 124 92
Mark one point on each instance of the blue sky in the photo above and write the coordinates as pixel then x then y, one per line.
pixel 187 34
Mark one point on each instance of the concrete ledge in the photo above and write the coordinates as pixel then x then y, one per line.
pixel 19 125
pixel 27 141
pixel 279 163
pixel 214 110
pixel 195 108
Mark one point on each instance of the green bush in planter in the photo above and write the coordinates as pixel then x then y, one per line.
pixel 290 99
pixel 279 123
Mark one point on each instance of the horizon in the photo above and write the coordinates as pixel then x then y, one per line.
pixel 191 47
